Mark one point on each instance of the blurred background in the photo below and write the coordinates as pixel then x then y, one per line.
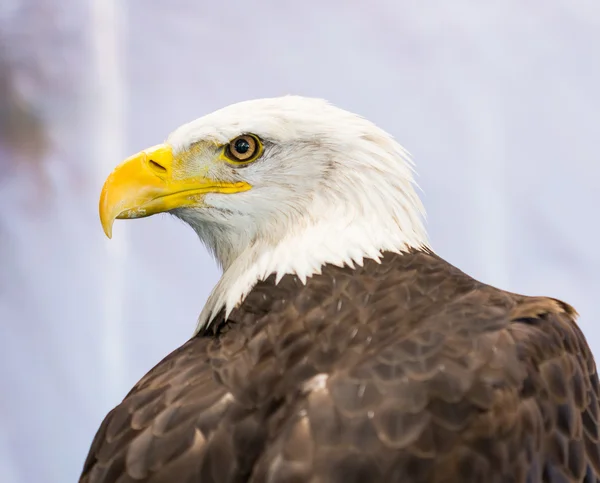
pixel 497 101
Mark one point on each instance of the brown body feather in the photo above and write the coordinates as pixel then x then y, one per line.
pixel 407 371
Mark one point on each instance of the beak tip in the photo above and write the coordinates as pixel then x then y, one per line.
pixel 107 224
pixel 107 230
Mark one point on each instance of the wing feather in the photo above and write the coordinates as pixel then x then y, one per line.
pixel 407 371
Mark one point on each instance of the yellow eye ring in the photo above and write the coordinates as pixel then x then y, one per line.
pixel 243 149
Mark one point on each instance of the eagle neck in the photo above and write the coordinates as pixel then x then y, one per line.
pixel 336 242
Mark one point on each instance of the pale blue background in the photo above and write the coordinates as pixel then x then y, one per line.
pixel 497 101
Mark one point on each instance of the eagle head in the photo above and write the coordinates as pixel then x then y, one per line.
pixel 280 185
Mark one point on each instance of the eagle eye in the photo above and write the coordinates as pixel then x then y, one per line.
pixel 243 149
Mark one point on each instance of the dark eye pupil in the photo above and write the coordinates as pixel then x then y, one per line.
pixel 242 146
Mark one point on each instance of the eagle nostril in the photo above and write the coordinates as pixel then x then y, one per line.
pixel 157 167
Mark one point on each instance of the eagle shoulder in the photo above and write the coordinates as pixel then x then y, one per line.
pixel 446 379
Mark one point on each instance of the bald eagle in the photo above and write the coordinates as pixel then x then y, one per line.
pixel 338 346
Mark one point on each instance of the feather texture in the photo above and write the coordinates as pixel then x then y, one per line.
pixel 405 371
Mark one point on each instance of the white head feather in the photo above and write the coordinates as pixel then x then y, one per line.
pixel 330 188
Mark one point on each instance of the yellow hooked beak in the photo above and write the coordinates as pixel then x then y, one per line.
pixel 144 185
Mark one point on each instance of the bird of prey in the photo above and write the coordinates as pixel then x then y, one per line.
pixel 337 347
